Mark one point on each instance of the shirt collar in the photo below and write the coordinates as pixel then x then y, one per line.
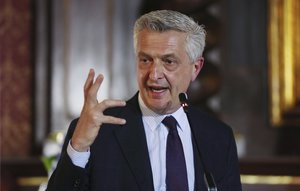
pixel 153 119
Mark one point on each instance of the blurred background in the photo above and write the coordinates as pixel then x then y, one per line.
pixel 251 78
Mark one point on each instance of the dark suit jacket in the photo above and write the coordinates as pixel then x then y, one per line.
pixel 119 158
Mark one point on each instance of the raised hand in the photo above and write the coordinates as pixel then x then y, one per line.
pixel 92 117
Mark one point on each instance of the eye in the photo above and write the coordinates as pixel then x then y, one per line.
pixel 169 61
pixel 144 60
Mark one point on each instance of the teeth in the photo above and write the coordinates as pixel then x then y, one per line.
pixel 157 90
pixel 154 90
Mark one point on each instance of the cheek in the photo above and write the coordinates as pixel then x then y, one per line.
pixel 141 77
pixel 181 81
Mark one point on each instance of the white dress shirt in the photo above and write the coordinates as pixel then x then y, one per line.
pixel 156 135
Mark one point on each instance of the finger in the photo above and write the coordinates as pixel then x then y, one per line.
pixel 108 103
pixel 113 120
pixel 93 91
pixel 97 84
pixel 89 81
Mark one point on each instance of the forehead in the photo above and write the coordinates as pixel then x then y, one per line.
pixel 161 41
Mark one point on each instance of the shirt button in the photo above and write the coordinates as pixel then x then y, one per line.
pixel 77 182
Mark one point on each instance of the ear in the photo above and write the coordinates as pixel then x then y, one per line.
pixel 197 66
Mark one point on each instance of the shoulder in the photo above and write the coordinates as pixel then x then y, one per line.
pixel 209 124
pixel 131 108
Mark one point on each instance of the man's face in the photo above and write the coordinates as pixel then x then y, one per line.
pixel 164 69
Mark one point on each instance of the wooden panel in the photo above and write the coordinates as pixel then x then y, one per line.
pixel 16 77
pixel 22 174
pixel 276 174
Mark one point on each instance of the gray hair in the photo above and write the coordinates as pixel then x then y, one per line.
pixel 165 20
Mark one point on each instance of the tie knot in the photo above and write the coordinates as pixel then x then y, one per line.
pixel 170 122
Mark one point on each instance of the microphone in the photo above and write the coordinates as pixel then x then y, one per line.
pixel 208 177
pixel 184 102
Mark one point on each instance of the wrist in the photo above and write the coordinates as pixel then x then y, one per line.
pixel 79 147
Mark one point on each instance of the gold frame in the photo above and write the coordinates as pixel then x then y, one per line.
pixel 284 62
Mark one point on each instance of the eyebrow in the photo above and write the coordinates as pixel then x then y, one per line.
pixel 169 55
pixel 161 57
pixel 143 54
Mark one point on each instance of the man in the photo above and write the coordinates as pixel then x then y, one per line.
pixel 117 145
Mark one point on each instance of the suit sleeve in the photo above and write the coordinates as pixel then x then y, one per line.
pixel 67 176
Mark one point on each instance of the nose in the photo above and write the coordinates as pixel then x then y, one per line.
pixel 156 71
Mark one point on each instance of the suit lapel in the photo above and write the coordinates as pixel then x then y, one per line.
pixel 132 140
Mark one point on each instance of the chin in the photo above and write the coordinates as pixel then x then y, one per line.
pixel 161 107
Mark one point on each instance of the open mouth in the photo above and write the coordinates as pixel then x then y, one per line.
pixel 158 89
